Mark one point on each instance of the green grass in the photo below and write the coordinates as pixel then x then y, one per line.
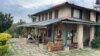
pixel 79 53
pixel 82 52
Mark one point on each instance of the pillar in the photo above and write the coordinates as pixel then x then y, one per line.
pixel 80 35
pixel 53 33
pixel 92 28
pixel 92 33
pixel 65 35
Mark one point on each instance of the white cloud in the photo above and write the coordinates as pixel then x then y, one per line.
pixel 20 8
pixel 37 3
pixel 33 3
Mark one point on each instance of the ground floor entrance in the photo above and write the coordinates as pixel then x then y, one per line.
pixel 63 35
pixel 69 35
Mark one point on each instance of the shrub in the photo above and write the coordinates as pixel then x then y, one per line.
pixel 95 43
pixel 4 48
pixel 4 37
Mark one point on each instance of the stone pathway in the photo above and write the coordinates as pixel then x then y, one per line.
pixel 19 47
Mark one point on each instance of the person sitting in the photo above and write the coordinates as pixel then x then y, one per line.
pixel 30 39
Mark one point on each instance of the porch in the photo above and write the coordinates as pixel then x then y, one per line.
pixel 60 34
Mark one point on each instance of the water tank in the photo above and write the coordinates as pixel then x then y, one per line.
pixel 97 1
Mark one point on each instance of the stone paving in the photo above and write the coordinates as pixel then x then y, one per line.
pixel 19 47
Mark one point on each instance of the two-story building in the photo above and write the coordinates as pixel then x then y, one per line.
pixel 71 23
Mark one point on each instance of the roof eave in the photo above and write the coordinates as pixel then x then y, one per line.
pixel 67 3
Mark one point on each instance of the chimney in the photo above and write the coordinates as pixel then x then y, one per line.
pixel 97 7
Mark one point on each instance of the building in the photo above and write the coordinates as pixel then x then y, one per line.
pixel 73 24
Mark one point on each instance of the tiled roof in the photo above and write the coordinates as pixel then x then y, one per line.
pixel 52 21
pixel 42 23
pixel 72 5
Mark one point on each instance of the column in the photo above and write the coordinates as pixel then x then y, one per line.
pixel 92 33
pixel 53 33
pixel 65 35
pixel 80 35
pixel 92 28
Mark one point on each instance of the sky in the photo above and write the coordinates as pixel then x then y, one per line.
pixel 21 8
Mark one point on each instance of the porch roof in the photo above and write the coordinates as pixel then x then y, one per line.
pixel 43 24
pixel 79 21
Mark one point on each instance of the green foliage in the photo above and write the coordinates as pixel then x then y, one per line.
pixel 97 32
pixel 19 30
pixel 16 31
pixel 5 21
pixel 33 18
pixel 4 48
pixel 4 37
pixel 95 43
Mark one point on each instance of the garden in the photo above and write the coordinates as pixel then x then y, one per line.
pixel 5 23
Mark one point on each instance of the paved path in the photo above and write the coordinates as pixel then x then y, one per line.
pixel 19 47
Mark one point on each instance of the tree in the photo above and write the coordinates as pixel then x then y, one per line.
pixel 96 42
pixel 97 32
pixel 33 18
pixel 19 30
pixel 6 21
pixel 16 31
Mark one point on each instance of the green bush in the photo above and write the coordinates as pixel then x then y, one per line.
pixel 95 43
pixel 4 48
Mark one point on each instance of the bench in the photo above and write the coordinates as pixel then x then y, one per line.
pixel 55 46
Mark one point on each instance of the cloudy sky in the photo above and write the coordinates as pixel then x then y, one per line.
pixel 21 8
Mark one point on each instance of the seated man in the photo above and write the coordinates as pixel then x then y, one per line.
pixel 30 39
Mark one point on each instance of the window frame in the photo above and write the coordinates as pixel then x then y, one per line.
pixel 42 17
pixel 80 13
pixel 46 16
pixel 50 15
pixel 39 17
pixel 56 13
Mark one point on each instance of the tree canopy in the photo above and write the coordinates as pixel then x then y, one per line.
pixel 97 32
pixel 19 30
pixel 6 21
pixel 33 18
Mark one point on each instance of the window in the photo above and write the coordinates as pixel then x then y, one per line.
pixel 86 15
pixel 49 32
pixel 76 13
pixel 97 17
pixel 39 18
pixel 50 15
pixel 42 17
pixel 46 16
pixel 56 13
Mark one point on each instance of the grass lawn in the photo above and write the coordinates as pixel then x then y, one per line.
pixel 82 52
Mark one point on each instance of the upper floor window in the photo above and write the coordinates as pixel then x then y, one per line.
pixel 97 17
pixel 46 16
pixel 56 13
pixel 50 15
pixel 42 17
pixel 39 18
pixel 76 13
pixel 86 15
